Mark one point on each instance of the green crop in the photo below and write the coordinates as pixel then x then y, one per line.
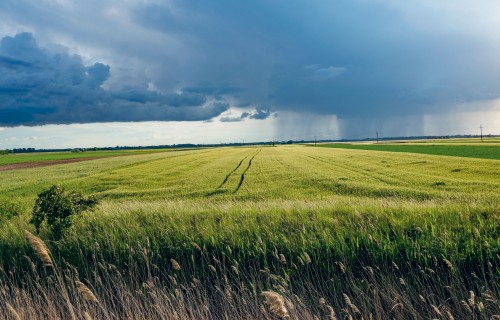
pixel 490 150
pixel 330 221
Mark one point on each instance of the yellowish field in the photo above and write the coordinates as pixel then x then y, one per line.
pixel 267 173
pixel 401 235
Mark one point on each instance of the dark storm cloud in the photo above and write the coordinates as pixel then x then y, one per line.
pixel 257 114
pixel 350 58
pixel 10 63
pixel 38 86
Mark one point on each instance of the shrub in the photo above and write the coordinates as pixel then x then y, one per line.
pixel 57 207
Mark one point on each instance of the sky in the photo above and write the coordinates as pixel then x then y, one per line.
pixel 154 72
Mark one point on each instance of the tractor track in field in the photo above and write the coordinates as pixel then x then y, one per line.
pixel 242 178
pixel 230 173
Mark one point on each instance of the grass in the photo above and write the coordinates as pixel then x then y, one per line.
pixel 487 150
pixel 401 236
pixel 66 155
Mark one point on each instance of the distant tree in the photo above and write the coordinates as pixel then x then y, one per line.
pixel 56 208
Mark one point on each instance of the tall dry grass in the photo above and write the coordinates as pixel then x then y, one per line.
pixel 207 285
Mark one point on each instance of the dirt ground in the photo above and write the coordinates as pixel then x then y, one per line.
pixel 28 165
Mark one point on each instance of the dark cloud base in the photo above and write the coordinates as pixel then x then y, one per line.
pixel 258 114
pixel 40 87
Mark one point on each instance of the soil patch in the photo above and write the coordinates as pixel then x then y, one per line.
pixel 38 164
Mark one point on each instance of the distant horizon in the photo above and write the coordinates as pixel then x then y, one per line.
pixel 249 143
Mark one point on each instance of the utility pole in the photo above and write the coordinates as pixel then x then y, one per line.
pixel 481 127
pixel 315 140
pixel 377 135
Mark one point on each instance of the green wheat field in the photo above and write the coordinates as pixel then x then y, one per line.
pixel 333 231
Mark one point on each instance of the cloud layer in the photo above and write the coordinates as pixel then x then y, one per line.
pixel 42 86
pixel 193 60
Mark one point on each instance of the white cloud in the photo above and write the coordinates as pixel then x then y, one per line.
pixel 137 134
pixel 327 73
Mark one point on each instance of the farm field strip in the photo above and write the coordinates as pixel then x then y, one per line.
pixel 267 173
pixel 308 222
pixel 66 155
pixel 384 171
pixel 484 151
pixel 23 185
pixel 372 170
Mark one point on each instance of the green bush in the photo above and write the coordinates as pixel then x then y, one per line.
pixel 57 207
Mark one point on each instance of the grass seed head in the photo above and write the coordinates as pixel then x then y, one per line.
pixel 307 258
pixel 235 269
pixel 86 292
pixel 466 305
pixel 276 303
pixel 282 258
pixel 350 304
pixel 471 299
pixel 450 316
pixel 331 313
pixel 196 246
pixel 87 316
pixel 448 263
pixel 175 265
pixel 40 248
pixel 436 309
pixel 13 312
